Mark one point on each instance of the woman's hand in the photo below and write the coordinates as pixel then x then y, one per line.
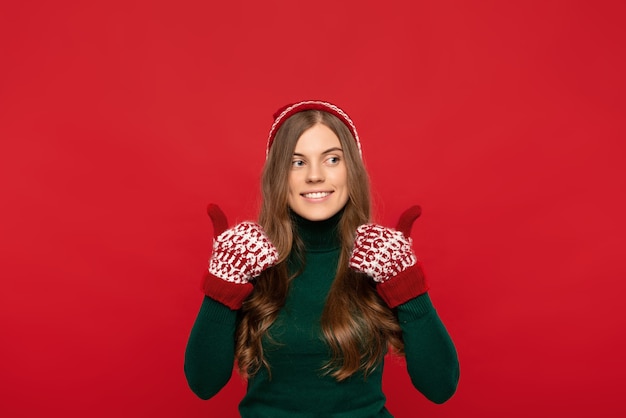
pixel 239 254
pixel 381 252
pixel 242 253
pixel 386 255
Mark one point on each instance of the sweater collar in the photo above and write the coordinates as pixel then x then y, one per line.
pixel 318 235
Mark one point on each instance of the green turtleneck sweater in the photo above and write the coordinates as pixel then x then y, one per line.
pixel 297 388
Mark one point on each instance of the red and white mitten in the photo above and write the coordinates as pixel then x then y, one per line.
pixel 386 255
pixel 239 254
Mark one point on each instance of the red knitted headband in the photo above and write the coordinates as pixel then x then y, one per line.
pixel 285 112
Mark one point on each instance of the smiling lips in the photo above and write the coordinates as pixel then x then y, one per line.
pixel 316 195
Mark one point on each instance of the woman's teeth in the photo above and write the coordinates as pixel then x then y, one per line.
pixel 316 195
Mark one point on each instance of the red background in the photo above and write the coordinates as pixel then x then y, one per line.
pixel 121 120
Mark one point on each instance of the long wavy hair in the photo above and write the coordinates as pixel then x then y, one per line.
pixel 356 324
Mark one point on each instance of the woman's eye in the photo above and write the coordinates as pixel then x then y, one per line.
pixel 297 163
pixel 333 160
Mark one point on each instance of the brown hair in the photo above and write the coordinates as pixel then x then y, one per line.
pixel 356 324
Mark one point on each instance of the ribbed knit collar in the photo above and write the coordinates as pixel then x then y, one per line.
pixel 318 235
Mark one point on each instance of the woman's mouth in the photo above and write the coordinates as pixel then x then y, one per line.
pixel 316 195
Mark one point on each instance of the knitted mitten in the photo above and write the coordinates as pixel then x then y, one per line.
pixel 386 255
pixel 239 254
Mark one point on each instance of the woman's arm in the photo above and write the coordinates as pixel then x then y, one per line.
pixel 239 254
pixel 431 357
pixel 386 255
pixel 210 353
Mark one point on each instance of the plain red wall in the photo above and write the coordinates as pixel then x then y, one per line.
pixel 121 120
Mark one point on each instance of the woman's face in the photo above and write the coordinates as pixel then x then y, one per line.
pixel 318 180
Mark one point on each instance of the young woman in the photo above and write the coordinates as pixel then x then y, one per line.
pixel 308 300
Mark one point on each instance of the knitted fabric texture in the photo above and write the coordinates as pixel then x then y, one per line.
pixel 286 112
pixel 381 252
pixel 241 253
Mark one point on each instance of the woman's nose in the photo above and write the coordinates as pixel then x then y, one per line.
pixel 315 174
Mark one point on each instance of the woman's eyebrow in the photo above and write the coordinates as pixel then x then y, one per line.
pixel 329 150
pixel 332 150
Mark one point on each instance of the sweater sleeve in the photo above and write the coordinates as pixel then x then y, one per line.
pixel 210 352
pixel 431 357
